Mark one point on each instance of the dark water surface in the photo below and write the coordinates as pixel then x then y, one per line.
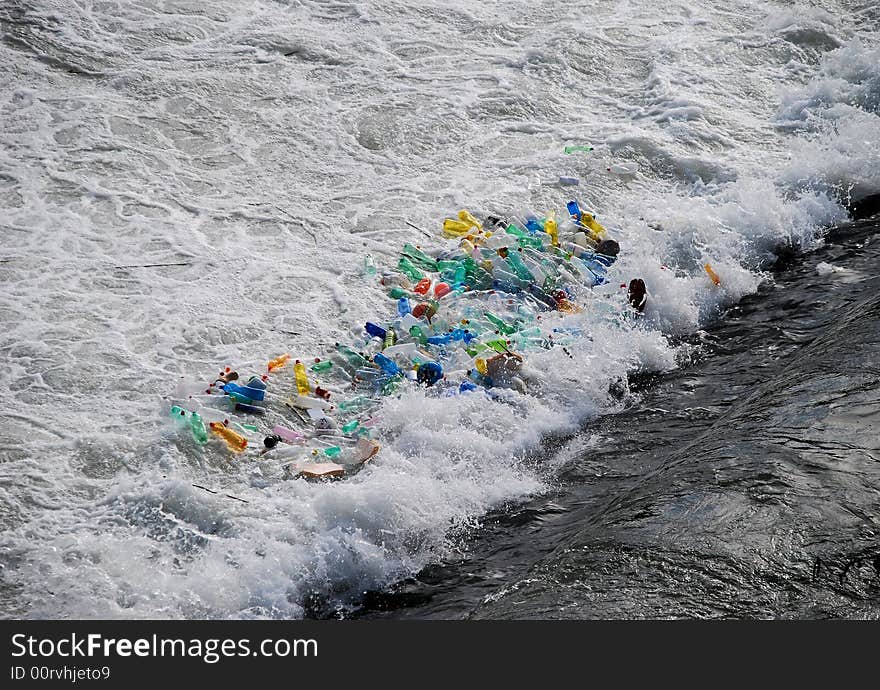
pixel 746 485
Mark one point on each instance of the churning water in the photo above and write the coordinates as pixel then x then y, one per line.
pixel 259 150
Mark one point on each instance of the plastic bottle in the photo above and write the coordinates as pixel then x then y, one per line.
pixel 568 181
pixel 406 267
pixel 577 148
pixel 369 265
pixel 350 426
pixel 465 216
pixel 423 286
pixel 246 392
pixel 429 373
pixel 278 362
pixel 499 323
pixel 256 382
pixel 533 226
pixel 389 339
pixel 359 402
pixel 288 435
pixel 250 409
pixel 235 442
pixel 443 339
pixel 419 258
pixel 403 307
pixel 441 289
pixel 417 334
pixel 323 365
pixel 714 276
pixel 387 365
pixel 354 359
pixel 551 228
pixel 302 381
pixel 456 228
pixel 375 331
pixel 399 292
pixel 197 426
pixel 401 349
pixel 520 269
pixel 588 221
pixel 623 169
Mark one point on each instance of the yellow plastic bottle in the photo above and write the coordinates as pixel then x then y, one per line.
pixel 456 228
pixel 551 228
pixel 235 442
pixel 481 366
pixel 278 362
pixel 466 216
pixel 597 232
pixel 302 381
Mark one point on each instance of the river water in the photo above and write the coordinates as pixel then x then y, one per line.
pixel 187 186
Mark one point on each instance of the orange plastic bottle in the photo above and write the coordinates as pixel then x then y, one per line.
pixel 279 361
pixel 235 442
pixel 712 274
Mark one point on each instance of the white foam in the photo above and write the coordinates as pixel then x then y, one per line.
pixel 271 175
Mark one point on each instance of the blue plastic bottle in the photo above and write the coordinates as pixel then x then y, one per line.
pixel 403 307
pixel 375 331
pixel 256 394
pixel 429 373
pixel 388 365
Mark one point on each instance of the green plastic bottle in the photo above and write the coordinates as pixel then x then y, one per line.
pixel 199 431
pixel 359 402
pixel 353 358
pixel 418 335
pixel 499 323
pixel 419 258
pixel 406 267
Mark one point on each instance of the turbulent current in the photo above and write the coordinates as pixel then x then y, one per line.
pixel 188 185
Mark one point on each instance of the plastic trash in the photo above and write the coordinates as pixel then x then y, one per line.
pixel 403 307
pixel 387 365
pixel 419 258
pixel 577 148
pixel 302 381
pixel 569 181
pixel 246 392
pixel 355 404
pixel 321 365
pixel 429 373
pixel 375 331
pixel 288 435
pixel 235 442
pixel 441 289
pixel 250 409
pixel 623 169
pixel 406 267
pixel 278 362
pixel 714 276
pixel 369 265
pixel 552 229
pixel 389 339
pixel 199 431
